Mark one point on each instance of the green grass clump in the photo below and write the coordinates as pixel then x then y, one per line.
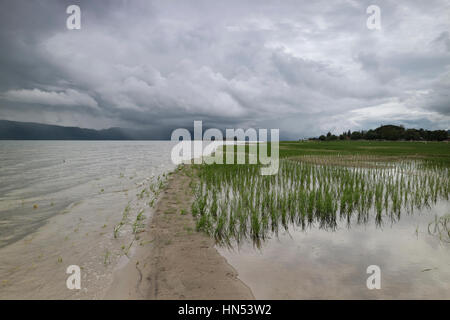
pixel 234 202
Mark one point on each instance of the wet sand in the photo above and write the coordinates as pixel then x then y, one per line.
pixel 178 262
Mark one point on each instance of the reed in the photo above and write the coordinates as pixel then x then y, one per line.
pixel 234 202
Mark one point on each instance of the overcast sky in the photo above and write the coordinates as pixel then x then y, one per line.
pixel 305 67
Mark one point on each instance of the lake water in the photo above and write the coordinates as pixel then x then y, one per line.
pixel 59 203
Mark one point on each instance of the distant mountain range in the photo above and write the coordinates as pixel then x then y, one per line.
pixel 14 130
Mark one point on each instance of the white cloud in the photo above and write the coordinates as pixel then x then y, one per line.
pixel 66 97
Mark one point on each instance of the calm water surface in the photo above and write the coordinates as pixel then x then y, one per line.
pixel 321 264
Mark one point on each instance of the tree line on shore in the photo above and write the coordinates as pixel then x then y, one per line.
pixel 389 132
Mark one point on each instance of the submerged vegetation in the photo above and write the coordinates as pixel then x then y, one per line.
pixel 133 218
pixel 440 227
pixel 234 202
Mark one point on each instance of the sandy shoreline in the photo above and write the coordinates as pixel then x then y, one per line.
pixel 177 262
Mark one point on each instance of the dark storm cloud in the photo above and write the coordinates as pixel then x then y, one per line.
pixel 302 66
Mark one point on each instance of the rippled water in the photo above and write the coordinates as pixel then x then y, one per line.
pixel 59 202
pixel 53 175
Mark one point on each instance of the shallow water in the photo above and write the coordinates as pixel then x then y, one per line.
pixel 320 264
pixel 82 188
pixel 59 203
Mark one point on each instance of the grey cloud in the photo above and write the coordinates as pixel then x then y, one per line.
pixel 297 65
pixel 444 40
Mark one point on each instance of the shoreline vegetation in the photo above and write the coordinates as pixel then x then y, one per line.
pixel 234 203
pixel 321 184
pixel 178 262
pixel 318 183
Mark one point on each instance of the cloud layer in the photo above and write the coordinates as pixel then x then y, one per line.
pixel 304 67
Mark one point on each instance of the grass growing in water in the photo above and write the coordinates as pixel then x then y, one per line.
pixel 234 202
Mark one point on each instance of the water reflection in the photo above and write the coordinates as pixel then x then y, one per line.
pixel 319 264
pixel 311 231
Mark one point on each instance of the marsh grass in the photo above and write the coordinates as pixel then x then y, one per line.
pixel 133 218
pixel 123 221
pixel 139 225
pixel 234 202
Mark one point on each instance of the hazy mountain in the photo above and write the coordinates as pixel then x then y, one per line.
pixel 13 130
